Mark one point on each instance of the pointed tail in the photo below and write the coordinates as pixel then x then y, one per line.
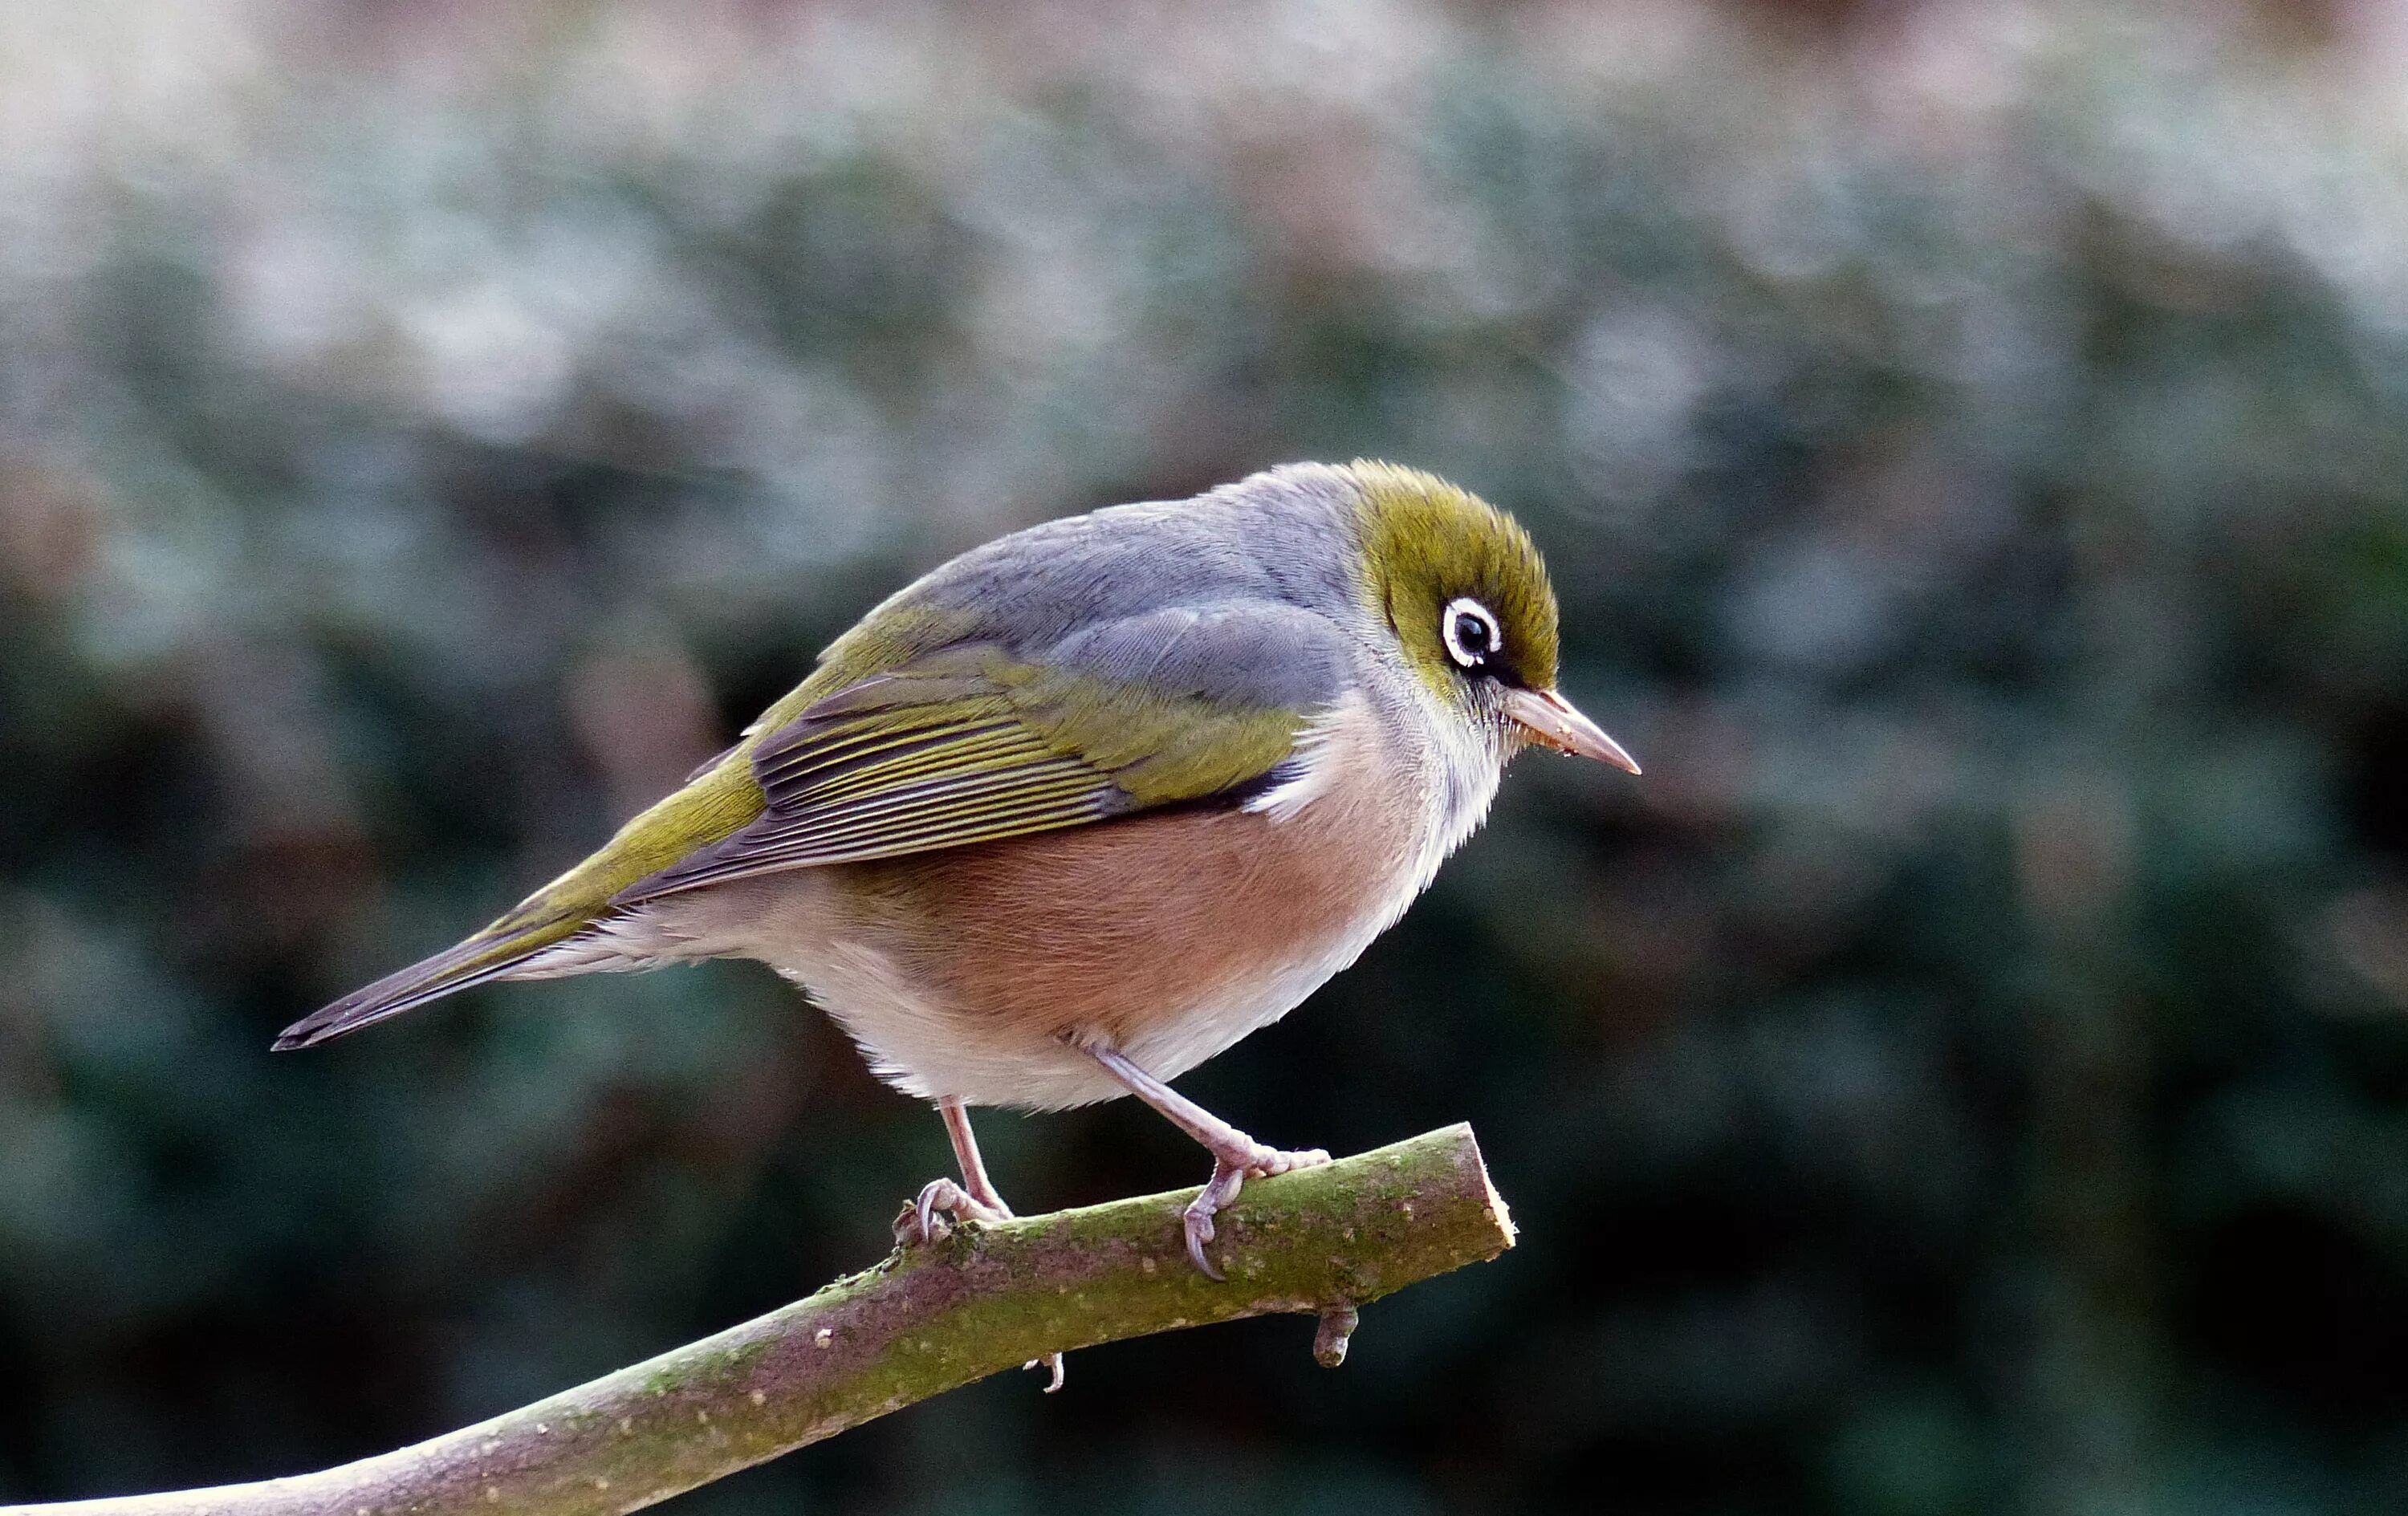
pixel 720 801
pixel 491 954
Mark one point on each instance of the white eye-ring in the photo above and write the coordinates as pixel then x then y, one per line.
pixel 1471 632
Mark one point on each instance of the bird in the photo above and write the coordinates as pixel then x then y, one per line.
pixel 1085 806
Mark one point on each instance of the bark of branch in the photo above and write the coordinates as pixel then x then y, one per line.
pixel 1323 1241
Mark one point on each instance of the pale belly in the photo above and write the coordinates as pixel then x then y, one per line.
pixel 979 972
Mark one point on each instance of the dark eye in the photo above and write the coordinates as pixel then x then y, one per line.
pixel 1471 632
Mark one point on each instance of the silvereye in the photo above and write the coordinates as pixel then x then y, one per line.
pixel 1086 805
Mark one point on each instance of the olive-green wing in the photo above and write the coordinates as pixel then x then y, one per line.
pixel 845 787
pixel 973 745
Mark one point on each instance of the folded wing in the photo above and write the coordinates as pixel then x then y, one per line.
pixel 972 744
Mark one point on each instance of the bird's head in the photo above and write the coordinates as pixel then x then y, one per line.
pixel 1463 591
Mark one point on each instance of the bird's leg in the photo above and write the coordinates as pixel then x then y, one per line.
pixel 976 1197
pixel 966 1152
pixel 1236 1156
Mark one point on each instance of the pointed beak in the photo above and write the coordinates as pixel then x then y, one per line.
pixel 1552 721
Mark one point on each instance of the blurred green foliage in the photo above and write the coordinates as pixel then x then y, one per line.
pixel 1968 1073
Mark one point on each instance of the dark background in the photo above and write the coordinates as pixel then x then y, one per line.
pixel 1967 1074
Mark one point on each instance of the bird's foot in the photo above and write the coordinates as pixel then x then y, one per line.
pixel 917 1225
pixel 1232 1167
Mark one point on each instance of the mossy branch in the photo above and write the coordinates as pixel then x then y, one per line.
pixel 1322 1241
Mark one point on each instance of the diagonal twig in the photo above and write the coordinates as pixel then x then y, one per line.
pixel 1324 1242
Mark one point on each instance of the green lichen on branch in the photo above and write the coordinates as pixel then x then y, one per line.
pixel 1324 1242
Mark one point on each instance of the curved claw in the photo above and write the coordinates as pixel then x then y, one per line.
pixel 956 1203
pixel 1229 1174
pixel 924 1208
pixel 1200 1231
pixel 1198 1219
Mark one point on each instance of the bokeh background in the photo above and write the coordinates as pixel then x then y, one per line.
pixel 1968 1073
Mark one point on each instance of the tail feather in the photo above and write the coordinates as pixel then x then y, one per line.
pixel 720 799
pixel 489 955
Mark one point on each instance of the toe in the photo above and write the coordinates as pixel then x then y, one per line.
pixel 1272 1162
pixel 944 1197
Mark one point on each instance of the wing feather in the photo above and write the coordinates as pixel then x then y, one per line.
pixel 849 787
pixel 971 745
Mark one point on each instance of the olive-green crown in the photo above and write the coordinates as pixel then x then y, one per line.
pixel 1427 543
